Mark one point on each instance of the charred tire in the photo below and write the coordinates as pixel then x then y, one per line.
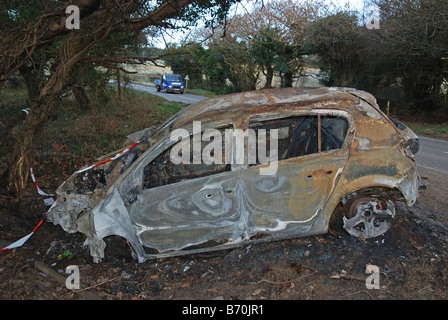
pixel 365 215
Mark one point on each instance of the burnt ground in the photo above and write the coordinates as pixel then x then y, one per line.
pixel 412 258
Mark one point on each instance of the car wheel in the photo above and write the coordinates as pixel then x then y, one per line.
pixel 364 216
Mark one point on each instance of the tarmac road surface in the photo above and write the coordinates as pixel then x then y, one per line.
pixel 433 154
pixel 184 98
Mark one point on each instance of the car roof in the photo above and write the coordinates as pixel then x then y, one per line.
pixel 238 105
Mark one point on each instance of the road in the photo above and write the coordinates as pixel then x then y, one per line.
pixel 433 154
pixel 184 98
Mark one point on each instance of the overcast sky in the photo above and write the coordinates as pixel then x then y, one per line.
pixel 247 5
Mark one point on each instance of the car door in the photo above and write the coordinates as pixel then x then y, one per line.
pixel 186 204
pixel 288 201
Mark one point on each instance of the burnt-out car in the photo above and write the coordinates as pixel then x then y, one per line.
pixel 340 165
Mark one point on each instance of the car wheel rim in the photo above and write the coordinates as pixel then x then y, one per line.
pixel 369 217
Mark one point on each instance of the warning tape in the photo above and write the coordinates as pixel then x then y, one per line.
pixel 49 201
pixel 110 159
pixel 39 190
pixel 20 242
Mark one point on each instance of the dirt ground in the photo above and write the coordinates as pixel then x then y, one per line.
pixel 412 259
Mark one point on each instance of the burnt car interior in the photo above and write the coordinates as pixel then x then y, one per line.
pixel 298 136
pixel 162 171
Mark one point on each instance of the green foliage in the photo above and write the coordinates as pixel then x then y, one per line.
pixel 214 69
pixel 274 54
pixel 168 108
pixel 411 49
pixel 184 64
pixel 341 46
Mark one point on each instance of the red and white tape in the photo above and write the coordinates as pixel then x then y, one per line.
pixel 49 201
pixel 110 159
pixel 20 242
pixel 39 190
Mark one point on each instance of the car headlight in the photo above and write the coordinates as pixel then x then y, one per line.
pixel 411 147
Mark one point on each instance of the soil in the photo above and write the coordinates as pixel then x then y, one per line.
pixel 411 257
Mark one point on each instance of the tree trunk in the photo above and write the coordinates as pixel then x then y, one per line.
pixel 81 97
pixel 17 46
pixel 20 161
pixel 269 77
pixel 17 172
pixel 33 82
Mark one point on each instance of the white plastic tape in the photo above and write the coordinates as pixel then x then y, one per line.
pixel 37 187
pixel 21 241
pixel 110 159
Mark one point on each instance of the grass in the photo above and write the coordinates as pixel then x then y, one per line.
pixel 74 137
pixel 168 108
pixel 201 92
pixel 439 131
pixel 17 94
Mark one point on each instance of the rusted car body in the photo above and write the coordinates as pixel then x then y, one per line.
pixel 342 163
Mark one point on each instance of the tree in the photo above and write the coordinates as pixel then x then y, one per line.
pixel 341 45
pixel 184 64
pixel 276 32
pixel 263 52
pixel 241 69
pixel 411 48
pixel 214 68
pixel 21 38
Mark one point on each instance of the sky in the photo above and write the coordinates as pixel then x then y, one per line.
pixel 247 5
pixel 353 4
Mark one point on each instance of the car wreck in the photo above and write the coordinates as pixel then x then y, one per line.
pixel 340 165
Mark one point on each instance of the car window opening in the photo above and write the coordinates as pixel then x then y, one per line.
pixel 297 137
pixel 304 135
pixel 162 171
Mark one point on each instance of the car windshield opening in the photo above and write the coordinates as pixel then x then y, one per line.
pixel 173 77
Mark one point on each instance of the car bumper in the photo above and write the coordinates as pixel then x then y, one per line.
pixel 172 90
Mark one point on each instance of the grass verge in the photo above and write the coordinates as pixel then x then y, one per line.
pixel 76 137
pixel 437 131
